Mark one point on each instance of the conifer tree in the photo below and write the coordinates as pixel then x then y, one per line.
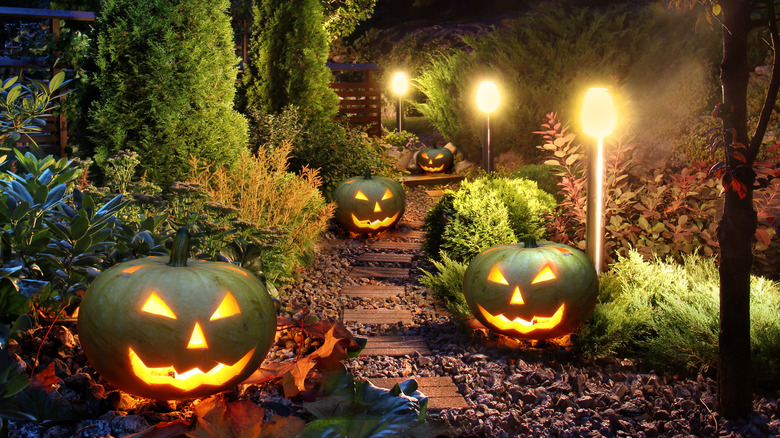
pixel 286 65
pixel 166 81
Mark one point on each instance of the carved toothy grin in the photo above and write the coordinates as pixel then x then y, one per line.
pixel 190 379
pixel 521 325
pixel 373 225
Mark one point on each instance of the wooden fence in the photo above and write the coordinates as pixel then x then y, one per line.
pixel 360 96
pixel 54 135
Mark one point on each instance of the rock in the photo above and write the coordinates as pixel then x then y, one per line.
pixel 461 166
pixel 126 425
pixel 412 166
pixel 451 147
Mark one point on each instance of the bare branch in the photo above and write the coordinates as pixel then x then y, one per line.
pixel 774 86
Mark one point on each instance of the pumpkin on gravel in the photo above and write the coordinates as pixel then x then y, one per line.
pixel 434 159
pixel 171 328
pixel 531 291
pixel 369 204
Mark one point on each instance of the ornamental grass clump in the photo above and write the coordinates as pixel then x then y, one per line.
pixel 665 314
pixel 269 197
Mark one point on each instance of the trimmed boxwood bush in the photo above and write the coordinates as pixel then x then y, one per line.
pixel 166 75
pixel 486 212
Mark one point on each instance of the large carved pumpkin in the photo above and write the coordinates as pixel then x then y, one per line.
pixel 369 204
pixel 435 159
pixel 530 290
pixel 171 328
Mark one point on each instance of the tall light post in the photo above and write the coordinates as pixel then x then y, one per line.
pixel 487 101
pixel 400 85
pixel 598 119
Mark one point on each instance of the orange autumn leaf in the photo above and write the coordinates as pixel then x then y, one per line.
pixel 241 419
pixel 45 380
pixel 174 429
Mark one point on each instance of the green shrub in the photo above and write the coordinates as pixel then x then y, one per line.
pixel 549 56
pixel 486 212
pixel 543 175
pixel 286 66
pixel 666 315
pixel 166 76
pixel 447 285
pixel 337 152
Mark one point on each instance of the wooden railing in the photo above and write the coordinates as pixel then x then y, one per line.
pixel 54 135
pixel 360 100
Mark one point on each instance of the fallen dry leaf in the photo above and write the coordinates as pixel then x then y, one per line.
pixel 174 429
pixel 240 419
pixel 45 380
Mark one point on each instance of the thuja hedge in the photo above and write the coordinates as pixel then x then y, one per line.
pixel 546 57
pixel 165 78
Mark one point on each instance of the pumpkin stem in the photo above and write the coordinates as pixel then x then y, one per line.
pixel 368 173
pixel 180 249
pixel 530 242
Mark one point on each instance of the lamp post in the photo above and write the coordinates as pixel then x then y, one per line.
pixel 487 101
pixel 400 85
pixel 598 119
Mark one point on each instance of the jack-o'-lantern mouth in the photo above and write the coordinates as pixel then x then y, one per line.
pixel 521 325
pixel 432 169
pixel 375 224
pixel 187 380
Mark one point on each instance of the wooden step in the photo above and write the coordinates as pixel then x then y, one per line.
pixel 381 257
pixel 372 291
pixel 414 246
pixel 413 234
pixel 415 225
pixel 429 180
pixel 395 346
pixel 378 272
pixel 441 391
pixel 378 316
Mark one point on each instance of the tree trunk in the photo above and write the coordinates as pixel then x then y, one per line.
pixel 738 224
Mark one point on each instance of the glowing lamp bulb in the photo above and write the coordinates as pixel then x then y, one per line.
pixel 598 115
pixel 400 84
pixel 488 97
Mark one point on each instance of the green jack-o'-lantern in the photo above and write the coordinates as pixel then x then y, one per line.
pixel 435 159
pixel 171 328
pixel 530 290
pixel 369 204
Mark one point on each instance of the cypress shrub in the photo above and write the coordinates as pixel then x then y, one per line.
pixel 166 76
pixel 286 65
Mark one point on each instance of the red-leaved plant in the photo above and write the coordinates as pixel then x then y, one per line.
pixel 667 213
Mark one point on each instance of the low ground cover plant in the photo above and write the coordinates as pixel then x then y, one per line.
pixel 664 313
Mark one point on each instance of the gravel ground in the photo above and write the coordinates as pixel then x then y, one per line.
pixel 542 391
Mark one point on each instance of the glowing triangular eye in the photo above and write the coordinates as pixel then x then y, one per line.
pixel 517 297
pixel 424 155
pixel 228 307
pixel 387 195
pixel 546 274
pixel 439 156
pixel 361 196
pixel 496 277
pixel 197 340
pixel 156 306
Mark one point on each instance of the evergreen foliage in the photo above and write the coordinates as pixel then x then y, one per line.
pixel 666 315
pixel 547 57
pixel 486 212
pixel 447 285
pixel 286 65
pixel 166 78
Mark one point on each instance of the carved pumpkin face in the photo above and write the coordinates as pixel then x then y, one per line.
pixel 531 292
pixel 369 204
pixel 172 332
pixel 435 159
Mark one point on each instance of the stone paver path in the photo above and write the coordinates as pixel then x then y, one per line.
pixel 386 263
